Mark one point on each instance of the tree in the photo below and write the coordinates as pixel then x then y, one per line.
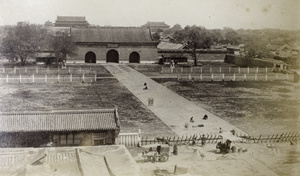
pixel 63 44
pixel 155 36
pixel 195 37
pixel 172 30
pixel 22 41
pixel 231 36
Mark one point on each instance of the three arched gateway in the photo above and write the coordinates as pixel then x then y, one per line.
pixel 134 57
pixel 112 56
pixel 90 57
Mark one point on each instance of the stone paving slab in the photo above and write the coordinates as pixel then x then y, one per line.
pixel 171 108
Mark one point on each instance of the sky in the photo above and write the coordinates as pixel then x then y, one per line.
pixel 211 14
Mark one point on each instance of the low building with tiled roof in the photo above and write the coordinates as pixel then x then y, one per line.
pixel 60 127
pixel 71 21
pixel 280 49
pixel 114 44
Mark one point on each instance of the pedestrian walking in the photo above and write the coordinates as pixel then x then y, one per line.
pixel 220 130
pixel 192 119
pixel 145 86
pixel 205 117
pixel 203 140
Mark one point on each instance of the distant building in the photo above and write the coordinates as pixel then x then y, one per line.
pixel 71 21
pixel 236 50
pixel 48 24
pixel 114 44
pixel 279 49
pixel 60 127
pixel 156 26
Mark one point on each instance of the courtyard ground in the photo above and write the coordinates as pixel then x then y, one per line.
pixel 105 93
pixel 254 107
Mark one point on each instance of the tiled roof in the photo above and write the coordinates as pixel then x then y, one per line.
pixel 113 35
pixel 70 18
pixel 168 45
pixel 71 120
pixel 156 24
pixel 276 46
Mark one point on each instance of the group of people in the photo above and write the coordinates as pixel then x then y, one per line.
pixel 205 117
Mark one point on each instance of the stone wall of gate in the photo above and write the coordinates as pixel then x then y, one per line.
pixel 147 53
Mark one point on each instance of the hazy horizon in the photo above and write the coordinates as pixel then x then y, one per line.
pixel 213 14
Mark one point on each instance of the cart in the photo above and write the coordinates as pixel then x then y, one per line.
pixel 161 154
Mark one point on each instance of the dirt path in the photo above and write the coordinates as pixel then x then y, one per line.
pixel 172 109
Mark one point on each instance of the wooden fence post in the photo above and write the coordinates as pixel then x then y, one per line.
pixel 212 77
pixel 71 78
pixel 220 69
pixel 223 77
pixel 3 69
pixel 245 77
pixel 233 78
pixel 46 80
pixel 37 70
pixel 266 69
pixel 255 77
pixel 256 69
pixel 95 77
pixel 57 77
pixel 20 78
pixel 82 77
pixel 266 77
pixel 201 77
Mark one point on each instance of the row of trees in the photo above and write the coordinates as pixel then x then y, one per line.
pixel 254 41
pixel 24 40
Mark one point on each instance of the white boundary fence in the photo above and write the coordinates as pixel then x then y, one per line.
pixel 224 70
pixel 54 71
pixel 235 77
pixel 47 78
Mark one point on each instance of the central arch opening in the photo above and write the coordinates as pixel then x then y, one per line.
pixel 112 56
pixel 134 57
pixel 90 57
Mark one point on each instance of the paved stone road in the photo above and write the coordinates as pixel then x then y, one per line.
pixel 171 108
